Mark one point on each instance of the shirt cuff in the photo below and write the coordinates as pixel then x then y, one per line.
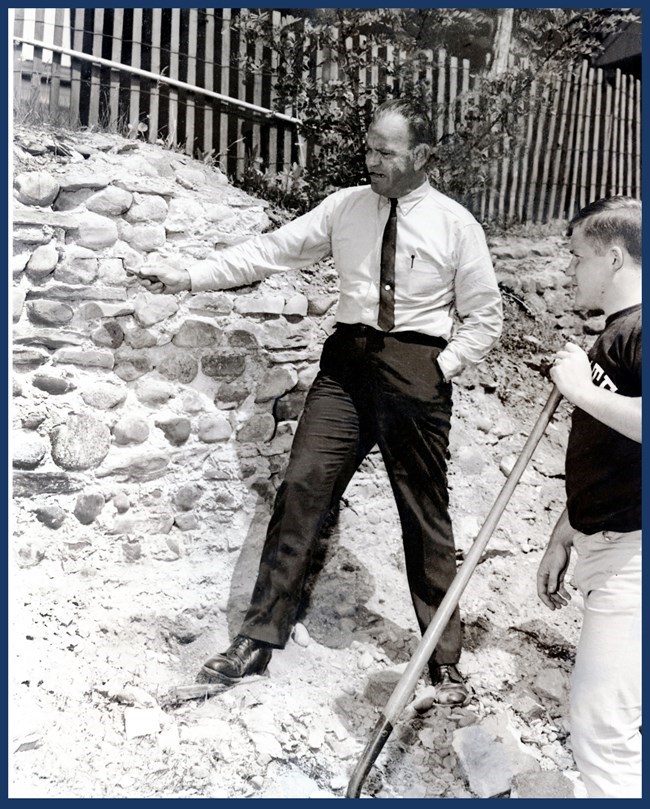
pixel 448 364
pixel 204 276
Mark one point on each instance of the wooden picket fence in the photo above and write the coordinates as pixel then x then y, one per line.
pixel 176 76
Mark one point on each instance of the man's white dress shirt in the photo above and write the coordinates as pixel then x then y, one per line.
pixel 442 263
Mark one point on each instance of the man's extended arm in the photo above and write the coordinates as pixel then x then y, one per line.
pixel 571 373
pixel 299 243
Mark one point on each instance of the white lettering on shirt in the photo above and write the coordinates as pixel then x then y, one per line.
pixel 601 379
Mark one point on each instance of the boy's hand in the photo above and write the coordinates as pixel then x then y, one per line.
pixel 571 372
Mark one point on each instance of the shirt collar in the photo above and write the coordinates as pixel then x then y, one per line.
pixel 410 200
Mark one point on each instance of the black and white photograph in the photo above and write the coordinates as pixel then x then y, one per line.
pixel 325 403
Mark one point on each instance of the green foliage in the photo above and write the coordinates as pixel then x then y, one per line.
pixel 353 45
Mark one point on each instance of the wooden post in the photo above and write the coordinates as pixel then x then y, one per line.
pixel 59 21
pixel 564 187
pixel 136 54
pixel 587 131
pixel 629 128
pixel 116 56
pixel 154 93
pixel 453 93
pixel 226 33
pixel 526 151
pixel 543 214
pixel 615 119
pixel 95 75
pixel 440 95
pixel 596 126
pixel 537 152
pixel 208 81
pixel 638 142
pixel 257 98
pixel 37 59
pixel 77 16
pixel 607 140
pixel 276 23
pixel 190 102
pixel 173 74
pixel 621 137
pixel 573 196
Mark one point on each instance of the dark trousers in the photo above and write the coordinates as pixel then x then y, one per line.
pixel 372 388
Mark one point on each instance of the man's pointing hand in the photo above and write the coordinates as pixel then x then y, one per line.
pixel 163 278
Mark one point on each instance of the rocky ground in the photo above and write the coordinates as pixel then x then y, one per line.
pixel 102 633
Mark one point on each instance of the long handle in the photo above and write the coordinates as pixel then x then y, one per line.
pixel 409 678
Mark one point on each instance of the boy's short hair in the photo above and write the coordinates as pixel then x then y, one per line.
pixel 418 122
pixel 610 220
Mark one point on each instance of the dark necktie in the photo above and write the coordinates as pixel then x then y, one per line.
pixel 386 318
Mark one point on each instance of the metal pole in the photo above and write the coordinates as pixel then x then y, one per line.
pixel 136 71
pixel 409 678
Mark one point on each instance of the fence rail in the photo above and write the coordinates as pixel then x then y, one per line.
pixel 179 76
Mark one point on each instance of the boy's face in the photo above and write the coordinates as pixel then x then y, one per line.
pixel 593 272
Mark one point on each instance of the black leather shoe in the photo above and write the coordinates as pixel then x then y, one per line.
pixel 451 688
pixel 243 656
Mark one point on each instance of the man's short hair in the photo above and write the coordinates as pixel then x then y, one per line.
pixel 417 119
pixel 610 220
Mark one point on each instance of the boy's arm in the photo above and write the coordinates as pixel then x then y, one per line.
pixel 571 372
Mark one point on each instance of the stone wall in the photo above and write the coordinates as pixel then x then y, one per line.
pixel 153 424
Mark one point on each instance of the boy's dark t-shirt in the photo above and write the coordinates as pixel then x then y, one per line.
pixel 603 467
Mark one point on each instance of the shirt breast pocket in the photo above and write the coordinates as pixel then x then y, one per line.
pixel 426 277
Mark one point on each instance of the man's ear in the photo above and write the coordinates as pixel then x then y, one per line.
pixel 421 155
pixel 617 256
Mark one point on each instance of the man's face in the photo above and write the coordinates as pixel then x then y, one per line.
pixel 395 168
pixel 593 272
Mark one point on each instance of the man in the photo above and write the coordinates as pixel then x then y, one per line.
pixel 602 520
pixel 406 256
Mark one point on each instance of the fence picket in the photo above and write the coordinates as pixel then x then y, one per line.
pixel 615 144
pixel 55 81
pixel 564 188
pixel 637 139
pixel 573 194
pixel 116 56
pixel 537 151
pixel 587 131
pixel 190 104
pixel 154 90
pixel 208 80
pixel 621 137
pixel 596 126
pixel 607 139
pixel 276 22
pixel 629 129
pixel 440 96
pixel 526 153
pixel 226 22
pixel 95 74
pixel 37 59
pixel 77 19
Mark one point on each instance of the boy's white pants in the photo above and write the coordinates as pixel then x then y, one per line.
pixel 606 681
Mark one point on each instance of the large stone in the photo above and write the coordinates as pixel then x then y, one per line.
pixel 71 200
pixel 260 304
pixel 213 428
pixel 85 359
pixel 42 261
pixel 552 683
pixel 79 266
pixel 275 382
pixel 187 496
pixel 76 179
pixel 96 232
pixel 133 366
pixel 33 484
pixel 54 385
pixel 109 335
pixel 26 359
pixel 50 313
pixel 111 271
pixel 104 395
pixel 77 293
pixel 320 304
pixel 150 308
pixel 258 428
pixel 36 188
pixel 296 305
pixel 176 429
pixel 50 516
pixel 88 507
pixel 111 201
pixel 550 784
pixel 140 338
pixel 18 263
pixel 28 449
pixel 130 430
pixel 141 466
pixel 145 238
pixel 179 367
pixel 81 442
pixel 17 302
pixel 225 367
pixel 153 392
pixel 183 215
pixel 147 208
pixel 491 754
pixel 213 303
pixel 37 216
pixel 195 334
